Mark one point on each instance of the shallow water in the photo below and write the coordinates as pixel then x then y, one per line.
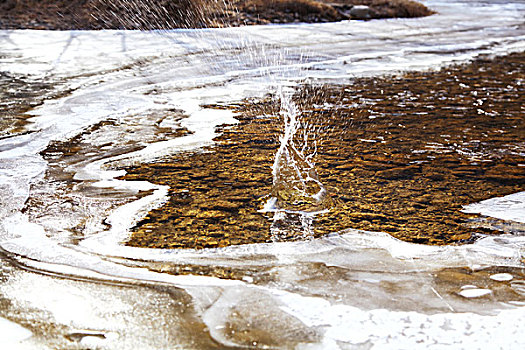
pixel 131 97
pixel 389 156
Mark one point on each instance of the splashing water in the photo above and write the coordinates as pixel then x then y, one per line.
pixel 297 193
pixel 296 185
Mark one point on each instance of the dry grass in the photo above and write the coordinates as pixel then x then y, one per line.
pixel 155 14
pixel 300 7
pixel 389 8
pixel 287 11
pixel 167 14
pixel 398 8
pixel 104 14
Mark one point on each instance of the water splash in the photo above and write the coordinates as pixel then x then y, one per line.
pixel 163 15
pixel 298 194
pixel 296 184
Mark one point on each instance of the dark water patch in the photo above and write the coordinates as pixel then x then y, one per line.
pixel 399 155
pixel 56 193
pixel 255 273
pixel 503 283
pixel 18 95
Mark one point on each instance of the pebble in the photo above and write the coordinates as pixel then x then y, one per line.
pixel 361 12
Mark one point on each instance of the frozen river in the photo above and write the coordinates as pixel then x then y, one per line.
pixel 68 282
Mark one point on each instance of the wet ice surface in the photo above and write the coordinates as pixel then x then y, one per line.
pixel 511 207
pixel 361 289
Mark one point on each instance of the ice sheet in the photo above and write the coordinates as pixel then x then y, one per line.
pixel 509 208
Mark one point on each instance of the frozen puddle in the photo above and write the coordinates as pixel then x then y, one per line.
pixel 80 288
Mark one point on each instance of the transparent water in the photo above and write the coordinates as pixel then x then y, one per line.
pixel 67 270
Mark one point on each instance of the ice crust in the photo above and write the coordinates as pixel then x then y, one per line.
pixel 509 208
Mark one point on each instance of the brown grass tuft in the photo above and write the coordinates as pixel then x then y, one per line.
pixel 390 8
pixel 304 10
pixel 167 14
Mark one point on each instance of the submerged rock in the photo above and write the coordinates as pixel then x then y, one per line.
pixel 361 12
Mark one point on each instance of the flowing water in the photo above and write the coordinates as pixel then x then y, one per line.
pixel 128 97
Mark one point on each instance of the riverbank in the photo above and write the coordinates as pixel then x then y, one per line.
pixel 164 14
pixel 401 155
